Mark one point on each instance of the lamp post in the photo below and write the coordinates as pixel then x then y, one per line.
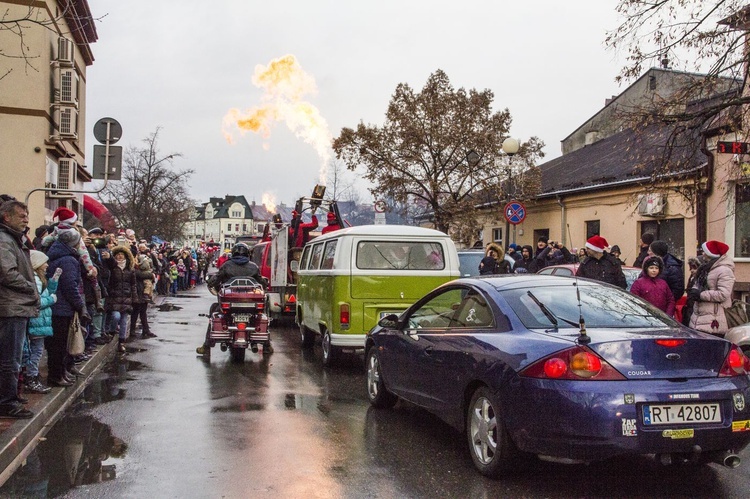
pixel 510 147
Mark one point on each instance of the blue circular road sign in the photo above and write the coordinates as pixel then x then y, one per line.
pixel 515 212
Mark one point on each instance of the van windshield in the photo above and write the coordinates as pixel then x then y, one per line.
pixel 400 255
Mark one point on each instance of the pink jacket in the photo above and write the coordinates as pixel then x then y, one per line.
pixel 655 291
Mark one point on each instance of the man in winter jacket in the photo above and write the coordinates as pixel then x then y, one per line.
pixel 672 272
pixel 600 265
pixel 646 240
pixel 19 300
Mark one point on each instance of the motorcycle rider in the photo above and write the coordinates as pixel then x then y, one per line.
pixel 239 265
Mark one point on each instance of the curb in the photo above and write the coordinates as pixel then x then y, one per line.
pixel 22 436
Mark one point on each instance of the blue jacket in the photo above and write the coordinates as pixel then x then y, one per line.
pixel 42 325
pixel 70 288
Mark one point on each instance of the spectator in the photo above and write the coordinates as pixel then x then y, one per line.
pixel 19 301
pixel 39 327
pixel 615 252
pixel 581 254
pixel 600 265
pixel 687 310
pixel 673 272
pixel 514 251
pixel 712 290
pixel 181 274
pixel 121 292
pixel 541 245
pixel 527 264
pixel 40 233
pixel 652 289
pixel 494 261
pixel 63 254
pixel 174 277
pixel 646 240
pixel 143 278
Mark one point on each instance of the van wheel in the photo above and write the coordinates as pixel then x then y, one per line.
pixel 307 336
pixel 330 352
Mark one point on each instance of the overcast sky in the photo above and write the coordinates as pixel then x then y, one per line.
pixel 182 65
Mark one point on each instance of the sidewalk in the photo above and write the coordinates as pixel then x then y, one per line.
pixel 18 437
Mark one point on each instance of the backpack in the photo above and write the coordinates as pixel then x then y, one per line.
pixel 736 314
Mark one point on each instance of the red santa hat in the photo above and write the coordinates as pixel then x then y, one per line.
pixel 714 249
pixel 65 215
pixel 597 243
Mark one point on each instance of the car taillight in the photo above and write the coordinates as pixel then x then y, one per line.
pixel 344 314
pixel 225 306
pixel 671 343
pixel 241 326
pixel 736 363
pixel 578 362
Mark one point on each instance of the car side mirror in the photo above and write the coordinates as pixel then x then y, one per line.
pixel 390 321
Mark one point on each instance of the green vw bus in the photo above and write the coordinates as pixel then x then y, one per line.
pixel 350 278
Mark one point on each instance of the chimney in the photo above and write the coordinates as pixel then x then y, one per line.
pixel 607 101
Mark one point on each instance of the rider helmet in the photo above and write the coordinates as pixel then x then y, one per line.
pixel 241 249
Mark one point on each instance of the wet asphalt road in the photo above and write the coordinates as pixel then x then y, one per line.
pixel 162 422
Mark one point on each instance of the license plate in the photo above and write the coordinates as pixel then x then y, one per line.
pixel 658 414
pixel 241 317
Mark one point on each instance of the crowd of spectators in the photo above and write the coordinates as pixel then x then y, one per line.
pixel 106 280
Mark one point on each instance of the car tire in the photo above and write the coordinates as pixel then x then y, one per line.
pixel 490 445
pixel 377 392
pixel 307 336
pixel 330 352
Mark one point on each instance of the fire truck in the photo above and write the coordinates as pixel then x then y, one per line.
pixel 277 256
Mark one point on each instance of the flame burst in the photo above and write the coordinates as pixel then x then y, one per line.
pixel 269 201
pixel 285 85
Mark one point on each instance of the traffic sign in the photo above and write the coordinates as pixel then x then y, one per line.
pixel 379 206
pixel 107 134
pixel 515 212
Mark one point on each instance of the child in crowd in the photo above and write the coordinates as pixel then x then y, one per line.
pixel 173 277
pixel 40 326
pixel 652 289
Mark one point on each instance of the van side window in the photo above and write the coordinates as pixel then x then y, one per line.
pixel 400 255
pixel 328 254
pixel 317 253
pixel 305 258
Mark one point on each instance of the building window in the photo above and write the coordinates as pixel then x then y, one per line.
pixel 229 227
pixel 742 221
pixel 592 228
pixel 244 228
pixel 236 227
pixel 497 235
pixel 671 231
pixel 236 214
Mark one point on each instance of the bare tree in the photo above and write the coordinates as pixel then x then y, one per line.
pixel 438 148
pixel 710 36
pixel 152 198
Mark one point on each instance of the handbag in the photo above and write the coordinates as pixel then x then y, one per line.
pixel 736 314
pixel 76 343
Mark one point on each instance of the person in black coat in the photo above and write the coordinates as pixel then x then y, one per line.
pixel 600 265
pixel 121 291
pixel 673 268
pixel 646 240
pixel 63 255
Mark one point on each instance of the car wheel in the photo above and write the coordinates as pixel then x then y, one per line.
pixel 330 352
pixel 238 354
pixel 489 443
pixel 306 336
pixel 376 391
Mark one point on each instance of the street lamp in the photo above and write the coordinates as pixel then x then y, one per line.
pixel 510 147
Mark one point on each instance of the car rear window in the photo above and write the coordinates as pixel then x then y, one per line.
pixel 600 306
pixel 400 255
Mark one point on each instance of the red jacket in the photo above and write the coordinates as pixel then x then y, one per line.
pixel 655 291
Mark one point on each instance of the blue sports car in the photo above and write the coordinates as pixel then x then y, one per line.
pixel 569 370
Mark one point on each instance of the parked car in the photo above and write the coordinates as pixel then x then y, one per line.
pixel 568 370
pixel 569 270
pixel 740 335
pixel 468 262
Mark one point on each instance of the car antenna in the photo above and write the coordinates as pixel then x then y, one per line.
pixel 583 338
